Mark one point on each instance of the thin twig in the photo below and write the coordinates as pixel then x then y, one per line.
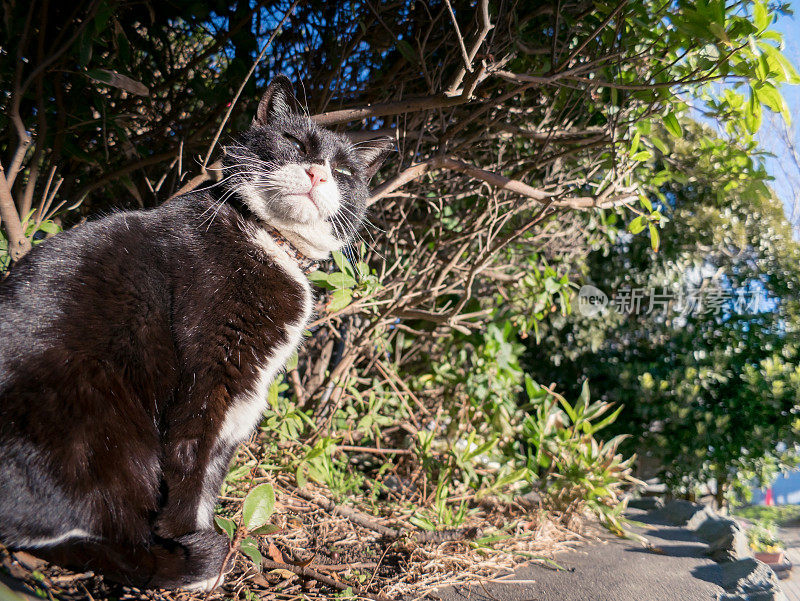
pixel 464 55
pixel 306 572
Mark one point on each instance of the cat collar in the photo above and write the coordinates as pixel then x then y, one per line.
pixel 305 264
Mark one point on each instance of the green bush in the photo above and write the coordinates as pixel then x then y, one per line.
pixel 763 537
pixel 576 471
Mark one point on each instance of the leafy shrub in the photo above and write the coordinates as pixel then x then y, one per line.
pixel 763 537
pixel 576 471
pixel 35 229
pixel 779 514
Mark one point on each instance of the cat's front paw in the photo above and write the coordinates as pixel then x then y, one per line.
pixel 209 584
pixel 195 561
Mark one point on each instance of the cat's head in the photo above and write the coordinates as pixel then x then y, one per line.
pixel 308 182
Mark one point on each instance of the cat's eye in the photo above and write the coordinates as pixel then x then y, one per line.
pixel 343 171
pixel 298 145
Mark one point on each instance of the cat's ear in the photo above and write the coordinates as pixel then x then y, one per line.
pixel 372 154
pixel 278 100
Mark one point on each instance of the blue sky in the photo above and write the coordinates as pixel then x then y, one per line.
pixel 786 174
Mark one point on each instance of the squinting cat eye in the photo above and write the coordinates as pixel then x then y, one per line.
pixel 295 142
pixel 343 170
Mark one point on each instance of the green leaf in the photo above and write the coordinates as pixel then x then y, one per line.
pixel 102 16
pixel 719 31
pixel 571 413
pixel 407 51
pixel 250 548
pixel 671 124
pixel 637 225
pixel 99 75
pixel 124 48
pixel 760 18
pixel 654 236
pixel 237 473
pixel 226 525
pixel 481 449
pixel 258 506
pixel 752 115
pixel 660 144
pixel 551 285
pixel 583 399
pixel 339 300
pixel 774 55
pixel 318 278
pixel 341 280
pixel 266 529
pixel 608 420
pixel 272 393
pixel 343 264
pixel 642 155
pixel 769 95
pixel 422 522
pixel 300 474
pixel 85 49
pixel 49 227
pixel 533 389
pixel 511 478
pixel 635 142
pixel 362 268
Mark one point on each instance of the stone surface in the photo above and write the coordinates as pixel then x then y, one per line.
pixel 748 575
pixel 730 546
pixel 700 517
pixel 646 503
pixel 679 512
pixel 769 595
pixel 715 526
pixel 676 569
pixel 726 539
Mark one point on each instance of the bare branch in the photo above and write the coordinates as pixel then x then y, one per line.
pixel 388 108
pixel 495 179
pixel 18 244
pixel 464 55
pixel 486 27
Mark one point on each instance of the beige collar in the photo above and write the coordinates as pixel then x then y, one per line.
pixel 305 264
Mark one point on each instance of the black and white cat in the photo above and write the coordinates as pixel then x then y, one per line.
pixel 136 351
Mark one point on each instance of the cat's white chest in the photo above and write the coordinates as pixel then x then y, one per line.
pixel 245 409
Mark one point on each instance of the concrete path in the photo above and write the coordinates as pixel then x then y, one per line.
pixel 614 570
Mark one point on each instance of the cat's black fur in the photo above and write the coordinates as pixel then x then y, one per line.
pixel 125 343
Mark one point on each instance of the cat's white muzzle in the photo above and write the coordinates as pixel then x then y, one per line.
pixel 292 196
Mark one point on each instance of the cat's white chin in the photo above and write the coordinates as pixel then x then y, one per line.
pixel 299 207
pixel 290 194
pixel 315 240
pixel 298 218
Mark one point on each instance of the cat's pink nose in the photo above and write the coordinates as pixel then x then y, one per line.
pixel 318 174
